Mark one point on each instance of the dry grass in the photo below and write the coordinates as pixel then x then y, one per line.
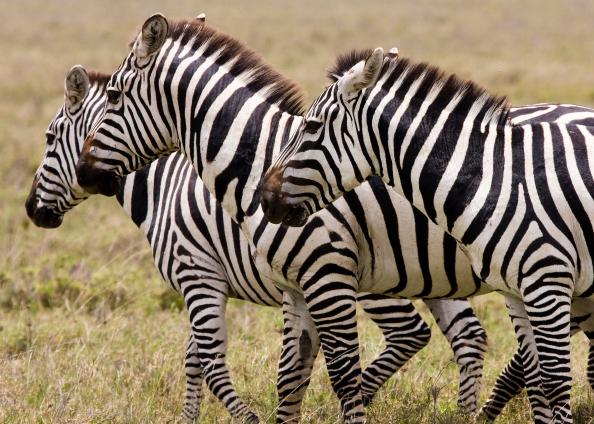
pixel 88 332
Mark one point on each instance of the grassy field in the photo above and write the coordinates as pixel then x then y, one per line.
pixel 89 332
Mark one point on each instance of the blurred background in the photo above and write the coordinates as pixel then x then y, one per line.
pixel 89 332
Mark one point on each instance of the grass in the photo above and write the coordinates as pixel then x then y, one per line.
pixel 89 332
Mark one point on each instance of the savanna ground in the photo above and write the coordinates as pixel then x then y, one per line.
pixel 89 332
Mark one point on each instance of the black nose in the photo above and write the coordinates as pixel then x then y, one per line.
pixel 95 180
pixel 272 205
pixel 42 216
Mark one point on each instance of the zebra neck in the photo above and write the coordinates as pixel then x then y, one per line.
pixel 444 163
pixel 133 195
pixel 233 146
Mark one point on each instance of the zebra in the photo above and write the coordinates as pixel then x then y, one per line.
pixel 212 91
pixel 341 241
pixel 515 196
pixel 153 196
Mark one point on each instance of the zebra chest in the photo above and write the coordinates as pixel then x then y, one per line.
pixel 272 272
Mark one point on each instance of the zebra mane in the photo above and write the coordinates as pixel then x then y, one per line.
pixel 98 78
pixel 242 60
pixel 450 84
pixel 346 61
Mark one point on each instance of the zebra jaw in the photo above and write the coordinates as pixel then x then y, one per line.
pixel 93 179
pixel 276 206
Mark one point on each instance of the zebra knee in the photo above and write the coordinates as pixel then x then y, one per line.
pixel 417 339
pixel 470 347
pixel 423 335
pixel 414 335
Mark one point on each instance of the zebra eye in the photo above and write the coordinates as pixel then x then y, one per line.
pixel 50 138
pixel 312 126
pixel 113 95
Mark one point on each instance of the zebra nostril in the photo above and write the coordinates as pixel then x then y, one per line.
pixel 268 200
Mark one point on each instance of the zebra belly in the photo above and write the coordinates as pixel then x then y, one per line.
pixel 400 251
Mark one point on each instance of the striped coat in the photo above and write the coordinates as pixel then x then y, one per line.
pixel 203 255
pixel 517 197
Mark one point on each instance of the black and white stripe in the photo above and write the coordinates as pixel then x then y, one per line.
pixel 518 197
pixel 229 114
pixel 227 90
pixel 202 253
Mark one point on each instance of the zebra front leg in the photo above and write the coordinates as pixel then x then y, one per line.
pixel 193 381
pixel 405 333
pixel 206 304
pixel 300 349
pixel 332 306
pixel 468 340
pixel 550 316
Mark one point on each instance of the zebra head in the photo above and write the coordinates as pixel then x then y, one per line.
pixel 55 189
pixel 323 159
pixel 133 130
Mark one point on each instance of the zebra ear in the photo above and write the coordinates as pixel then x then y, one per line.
pixel 201 17
pixel 363 74
pixel 151 37
pixel 76 85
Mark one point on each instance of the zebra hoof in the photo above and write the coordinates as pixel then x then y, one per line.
pixel 251 418
pixel 482 417
pixel 190 414
pixel 367 399
pixel 466 409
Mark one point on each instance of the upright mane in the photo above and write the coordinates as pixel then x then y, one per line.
pixel 451 85
pixel 346 61
pixel 98 78
pixel 282 91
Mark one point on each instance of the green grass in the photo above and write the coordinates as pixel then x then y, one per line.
pixel 89 332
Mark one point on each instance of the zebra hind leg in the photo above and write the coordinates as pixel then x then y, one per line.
pixel 300 348
pixel 530 360
pixel 405 333
pixel 549 315
pixel 511 380
pixel 508 385
pixel 193 382
pixel 582 317
pixel 468 340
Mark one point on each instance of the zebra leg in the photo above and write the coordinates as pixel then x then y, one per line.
pixel 206 304
pixel 300 349
pixel 332 306
pixel 468 340
pixel 591 362
pixel 405 332
pixel 193 381
pixel 509 384
pixel 582 311
pixel 511 380
pixel 530 360
pixel 550 316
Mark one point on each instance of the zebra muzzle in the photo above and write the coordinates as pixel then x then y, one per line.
pixel 95 180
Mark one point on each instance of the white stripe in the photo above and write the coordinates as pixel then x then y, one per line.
pixel 458 157
pixel 426 149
